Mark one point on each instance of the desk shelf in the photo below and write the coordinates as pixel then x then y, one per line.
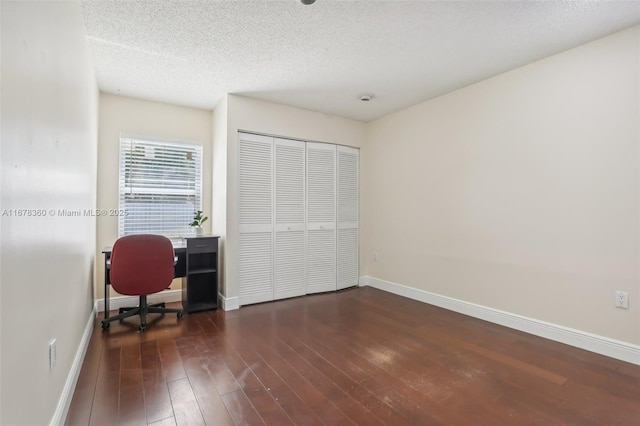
pixel 200 283
pixel 202 270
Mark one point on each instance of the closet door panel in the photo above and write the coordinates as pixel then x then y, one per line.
pixel 255 266
pixel 321 260
pixel 321 217
pixel 255 181
pixel 289 264
pixel 255 223
pixel 348 217
pixel 289 254
pixel 348 273
pixel 321 184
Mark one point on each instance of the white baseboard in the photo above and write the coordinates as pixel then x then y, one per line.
pixel 64 402
pixel 581 339
pixel 118 302
pixel 229 303
pixel 168 296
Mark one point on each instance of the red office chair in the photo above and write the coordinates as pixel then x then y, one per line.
pixel 141 265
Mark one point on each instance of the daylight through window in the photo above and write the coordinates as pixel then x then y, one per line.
pixel 160 187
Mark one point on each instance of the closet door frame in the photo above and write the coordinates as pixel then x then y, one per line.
pixel 324 255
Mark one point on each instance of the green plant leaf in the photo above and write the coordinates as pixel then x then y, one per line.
pixel 198 218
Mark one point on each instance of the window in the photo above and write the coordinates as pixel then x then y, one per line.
pixel 160 187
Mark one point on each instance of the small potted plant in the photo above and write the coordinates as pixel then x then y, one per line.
pixel 198 219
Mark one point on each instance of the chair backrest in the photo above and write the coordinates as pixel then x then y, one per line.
pixel 141 264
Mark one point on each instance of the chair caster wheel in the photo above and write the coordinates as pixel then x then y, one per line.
pixel 180 314
pixel 142 328
pixel 105 325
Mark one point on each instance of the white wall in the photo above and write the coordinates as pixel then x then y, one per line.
pixel 219 187
pixel 280 120
pixel 120 114
pixel 48 157
pixel 519 193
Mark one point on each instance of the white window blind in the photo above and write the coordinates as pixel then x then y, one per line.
pixel 160 187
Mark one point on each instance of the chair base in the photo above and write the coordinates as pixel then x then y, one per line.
pixel 142 309
pixel 125 309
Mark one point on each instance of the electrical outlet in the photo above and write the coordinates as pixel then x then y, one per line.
pixel 52 354
pixel 622 300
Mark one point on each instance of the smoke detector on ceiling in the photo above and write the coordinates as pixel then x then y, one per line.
pixel 366 97
pixel 307 2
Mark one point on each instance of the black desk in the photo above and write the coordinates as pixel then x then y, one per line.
pixel 200 285
pixel 180 268
pixel 197 264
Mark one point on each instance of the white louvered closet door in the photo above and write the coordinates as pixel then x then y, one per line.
pixel 255 211
pixel 289 255
pixel 348 199
pixel 321 217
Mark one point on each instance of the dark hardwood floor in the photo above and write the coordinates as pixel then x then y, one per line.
pixel 359 356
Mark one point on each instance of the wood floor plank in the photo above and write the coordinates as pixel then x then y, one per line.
pixel 368 400
pixel 365 375
pixel 169 421
pixel 156 393
pixel 433 389
pixel 130 366
pixel 185 406
pixel 355 357
pixel 345 402
pixel 583 370
pixel 425 394
pixel 290 403
pixel 222 377
pixel 598 405
pixel 204 388
pixel 107 397
pixel 171 362
pixel 262 401
pixel 132 406
pixel 313 398
pixel 241 410
pixel 132 402
pixel 80 407
pixel 548 407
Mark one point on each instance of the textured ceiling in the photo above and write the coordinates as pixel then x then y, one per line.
pixel 321 57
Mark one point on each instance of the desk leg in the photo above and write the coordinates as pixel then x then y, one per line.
pixel 106 290
pixel 106 300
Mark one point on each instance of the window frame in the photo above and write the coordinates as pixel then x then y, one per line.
pixel 126 143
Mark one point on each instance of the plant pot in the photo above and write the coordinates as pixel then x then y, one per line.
pixel 199 231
